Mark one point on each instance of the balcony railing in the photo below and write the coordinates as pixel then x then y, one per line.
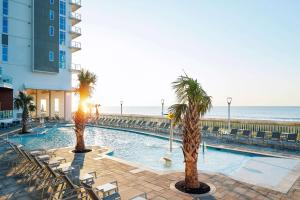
pixel 6 114
pixel 75 4
pixel 75 46
pixel 75 31
pixel 6 82
pixel 75 67
pixel 75 18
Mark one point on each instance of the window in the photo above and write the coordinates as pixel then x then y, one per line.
pixel 51 31
pixel 56 105
pixel 5 24
pixel 62 59
pixel 51 2
pixel 51 56
pixel 5 7
pixel 62 23
pixel 4 53
pixel 62 37
pixel 51 15
pixel 62 8
pixel 43 105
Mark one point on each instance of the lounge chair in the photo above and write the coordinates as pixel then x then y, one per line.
pixel 275 139
pixel 259 138
pixel 110 191
pixel 215 131
pixel 204 131
pixel 245 137
pixel 231 136
pixel 291 141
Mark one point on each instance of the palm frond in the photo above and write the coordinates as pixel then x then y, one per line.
pixel 178 110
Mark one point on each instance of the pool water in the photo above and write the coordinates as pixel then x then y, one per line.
pixel 148 151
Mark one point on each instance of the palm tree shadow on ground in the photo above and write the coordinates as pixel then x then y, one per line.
pixel 77 164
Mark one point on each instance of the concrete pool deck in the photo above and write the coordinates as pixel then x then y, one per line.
pixel 133 181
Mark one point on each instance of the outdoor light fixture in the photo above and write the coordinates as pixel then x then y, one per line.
pixel 229 100
pixel 162 106
pixel 121 103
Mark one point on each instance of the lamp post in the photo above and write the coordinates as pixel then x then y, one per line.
pixel 162 106
pixel 121 103
pixel 229 100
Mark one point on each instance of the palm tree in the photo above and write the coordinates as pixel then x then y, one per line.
pixel 24 102
pixel 193 102
pixel 87 80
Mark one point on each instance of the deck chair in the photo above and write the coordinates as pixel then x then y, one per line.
pixel 245 137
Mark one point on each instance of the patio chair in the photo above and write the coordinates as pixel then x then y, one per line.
pixel 143 125
pixel 139 197
pixel 215 132
pixel 91 192
pixel 231 136
pixel 71 190
pixel 275 139
pixel 291 141
pixel 245 137
pixel 259 138
pixel 105 189
pixel 204 131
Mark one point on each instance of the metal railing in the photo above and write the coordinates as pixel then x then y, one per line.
pixel 76 67
pixel 74 15
pixel 75 29
pixel 6 114
pixel 77 2
pixel 75 44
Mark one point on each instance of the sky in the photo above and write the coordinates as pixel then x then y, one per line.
pixel 246 49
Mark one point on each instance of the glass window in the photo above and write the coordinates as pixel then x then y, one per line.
pixel 51 15
pixel 5 7
pixel 51 31
pixel 62 59
pixel 62 37
pixel 56 105
pixel 4 53
pixel 62 23
pixel 4 24
pixel 62 7
pixel 51 56
pixel 52 2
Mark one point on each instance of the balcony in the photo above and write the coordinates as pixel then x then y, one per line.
pixel 75 68
pixel 6 114
pixel 6 82
pixel 75 32
pixel 75 5
pixel 75 18
pixel 75 46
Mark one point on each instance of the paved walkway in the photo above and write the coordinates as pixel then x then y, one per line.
pixel 133 181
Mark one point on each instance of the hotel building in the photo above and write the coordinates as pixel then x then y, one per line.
pixel 38 38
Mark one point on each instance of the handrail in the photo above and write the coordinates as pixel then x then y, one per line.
pixel 6 114
pixel 77 2
pixel 75 29
pixel 75 15
pixel 75 44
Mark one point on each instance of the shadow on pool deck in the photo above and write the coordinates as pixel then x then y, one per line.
pixel 77 163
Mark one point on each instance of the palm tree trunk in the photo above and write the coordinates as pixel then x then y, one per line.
pixel 191 175
pixel 80 146
pixel 80 121
pixel 191 142
pixel 24 120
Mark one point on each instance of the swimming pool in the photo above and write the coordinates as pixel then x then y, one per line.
pixel 148 151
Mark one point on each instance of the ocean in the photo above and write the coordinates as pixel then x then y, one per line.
pixel 237 112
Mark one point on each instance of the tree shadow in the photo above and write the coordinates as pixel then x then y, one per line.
pixel 77 164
